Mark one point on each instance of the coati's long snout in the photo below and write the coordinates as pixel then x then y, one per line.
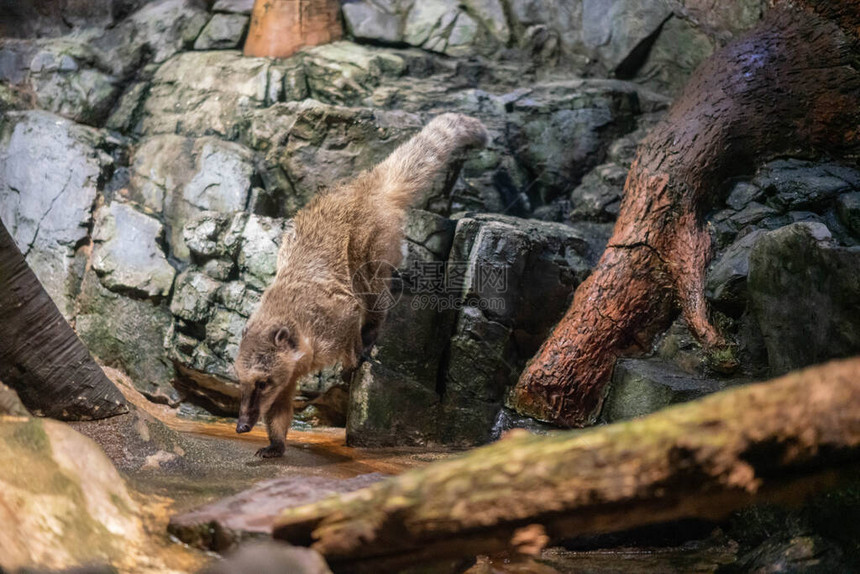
pixel 249 411
pixel 312 315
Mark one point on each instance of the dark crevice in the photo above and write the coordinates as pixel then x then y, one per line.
pixel 628 67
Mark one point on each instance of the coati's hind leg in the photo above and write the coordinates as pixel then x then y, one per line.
pixel 368 335
pixel 370 331
pixel 278 420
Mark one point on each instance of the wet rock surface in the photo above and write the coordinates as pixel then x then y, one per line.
pixel 250 514
pixel 804 291
pixel 642 386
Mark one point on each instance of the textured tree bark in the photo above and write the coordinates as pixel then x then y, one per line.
pixel 41 357
pixel 792 86
pixel 279 28
pixel 774 441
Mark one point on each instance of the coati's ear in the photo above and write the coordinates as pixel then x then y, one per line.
pixel 282 338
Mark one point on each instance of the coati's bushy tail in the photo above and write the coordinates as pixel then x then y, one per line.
pixel 413 167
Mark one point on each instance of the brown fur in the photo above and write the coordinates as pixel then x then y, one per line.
pixel 344 241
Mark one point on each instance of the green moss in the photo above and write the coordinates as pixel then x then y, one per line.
pixel 723 359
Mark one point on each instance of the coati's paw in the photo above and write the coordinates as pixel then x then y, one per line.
pixel 271 451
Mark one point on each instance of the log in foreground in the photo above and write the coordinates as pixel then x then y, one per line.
pixel 700 459
pixel 41 357
pixel 790 87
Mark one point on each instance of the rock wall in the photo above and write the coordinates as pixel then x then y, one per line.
pixel 148 171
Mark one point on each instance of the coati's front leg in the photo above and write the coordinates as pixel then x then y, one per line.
pixel 278 420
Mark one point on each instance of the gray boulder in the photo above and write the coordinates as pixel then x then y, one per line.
pixel 678 50
pixel 437 25
pixel 233 6
pixel 156 32
pixel 210 311
pixel 388 408
pixel 203 93
pixel 491 13
pixel 643 386
pixel 612 30
pixel 376 21
pixel 223 32
pixel 557 22
pixel 258 253
pixel 128 111
pixel 309 145
pixel 560 130
pixel 194 296
pixel 128 333
pixel 805 292
pixel 271 558
pixel 65 75
pixel 126 256
pixel 848 208
pixel 726 285
pixel 181 177
pixel 789 191
pixel 50 169
pixel 598 197
pixel 441 26
pixel 490 301
pixel 743 194
pixel 344 73
pixel 793 184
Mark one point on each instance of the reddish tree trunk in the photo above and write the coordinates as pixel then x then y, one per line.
pixel 41 357
pixel 789 87
pixel 279 28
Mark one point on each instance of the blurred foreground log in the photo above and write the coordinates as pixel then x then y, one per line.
pixel 790 87
pixel 778 440
pixel 41 357
pixel 279 28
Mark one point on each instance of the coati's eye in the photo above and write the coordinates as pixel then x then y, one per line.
pixel 262 384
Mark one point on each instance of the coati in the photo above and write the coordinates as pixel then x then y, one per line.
pixel 321 307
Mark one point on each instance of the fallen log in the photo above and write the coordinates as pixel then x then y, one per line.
pixel 783 439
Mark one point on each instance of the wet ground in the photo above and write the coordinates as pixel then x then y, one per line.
pixel 175 466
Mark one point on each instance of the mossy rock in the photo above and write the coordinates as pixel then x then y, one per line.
pixel 62 503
